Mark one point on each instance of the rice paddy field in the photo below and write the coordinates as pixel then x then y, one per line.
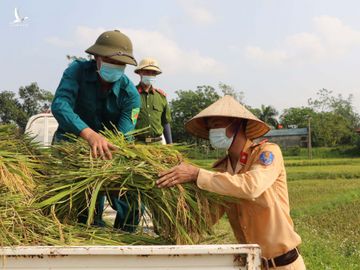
pixel 325 206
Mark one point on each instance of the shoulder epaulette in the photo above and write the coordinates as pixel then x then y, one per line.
pixel 160 92
pixel 259 143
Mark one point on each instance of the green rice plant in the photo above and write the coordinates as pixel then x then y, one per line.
pixel 23 224
pixel 323 172
pixel 322 162
pixel 310 197
pixel 72 179
pixel 17 161
pixel 13 141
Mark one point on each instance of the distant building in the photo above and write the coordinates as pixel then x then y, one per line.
pixel 288 137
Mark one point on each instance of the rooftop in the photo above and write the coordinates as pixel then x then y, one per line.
pixel 287 132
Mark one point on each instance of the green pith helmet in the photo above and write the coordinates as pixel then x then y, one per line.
pixel 115 45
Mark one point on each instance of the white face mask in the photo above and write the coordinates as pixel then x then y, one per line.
pixel 218 138
pixel 148 80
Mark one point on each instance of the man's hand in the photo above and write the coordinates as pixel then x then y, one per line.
pixel 100 147
pixel 179 174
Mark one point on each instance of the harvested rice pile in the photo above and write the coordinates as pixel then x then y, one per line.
pixel 22 222
pixel 44 190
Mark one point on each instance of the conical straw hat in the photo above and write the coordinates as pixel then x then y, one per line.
pixel 226 107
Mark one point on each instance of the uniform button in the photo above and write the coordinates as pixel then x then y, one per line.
pixel 244 228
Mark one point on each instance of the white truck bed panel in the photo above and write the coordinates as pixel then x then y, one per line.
pixel 132 257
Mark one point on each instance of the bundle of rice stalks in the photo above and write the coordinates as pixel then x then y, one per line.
pixel 16 142
pixel 73 179
pixel 17 161
pixel 23 224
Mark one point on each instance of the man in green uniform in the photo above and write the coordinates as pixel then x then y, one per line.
pixel 95 94
pixel 155 112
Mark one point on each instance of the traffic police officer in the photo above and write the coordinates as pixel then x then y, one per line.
pixel 155 112
pixel 95 94
pixel 251 172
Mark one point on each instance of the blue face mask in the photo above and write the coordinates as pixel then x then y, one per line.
pixel 111 72
pixel 148 80
pixel 218 138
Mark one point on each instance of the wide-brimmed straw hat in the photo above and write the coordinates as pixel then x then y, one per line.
pixel 226 107
pixel 148 64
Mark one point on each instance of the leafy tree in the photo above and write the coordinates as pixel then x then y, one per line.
pixel 229 90
pixel 72 58
pixel 255 111
pixel 187 105
pixel 268 115
pixel 330 129
pixel 32 100
pixel 344 111
pixel 10 109
pixel 296 117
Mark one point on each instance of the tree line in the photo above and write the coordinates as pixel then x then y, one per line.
pixel 333 117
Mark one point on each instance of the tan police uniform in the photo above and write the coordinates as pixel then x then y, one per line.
pixel 262 215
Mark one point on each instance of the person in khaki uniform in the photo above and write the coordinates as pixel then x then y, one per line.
pixel 155 111
pixel 252 172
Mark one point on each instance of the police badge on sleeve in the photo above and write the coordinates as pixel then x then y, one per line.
pixel 266 158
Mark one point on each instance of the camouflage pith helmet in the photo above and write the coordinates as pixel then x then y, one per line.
pixel 115 45
pixel 148 64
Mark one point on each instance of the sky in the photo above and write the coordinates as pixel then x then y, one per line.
pixel 278 52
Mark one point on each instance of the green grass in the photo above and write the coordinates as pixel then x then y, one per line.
pixel 323 172
pixel 346 168
pixel 321 162
pixel 325 206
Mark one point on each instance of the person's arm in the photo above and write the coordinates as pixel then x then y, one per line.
pixel 167 133
pixel 165 121
pixel 249 185
pixel 63 110
pixel 64 101
pixel 130 110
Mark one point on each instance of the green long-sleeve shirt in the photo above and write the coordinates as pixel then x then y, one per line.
pixel 79 102
pixel 155 111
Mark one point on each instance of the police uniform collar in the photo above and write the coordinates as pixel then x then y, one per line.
pixel 259 143
pixel 244 154
pixel 141 89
